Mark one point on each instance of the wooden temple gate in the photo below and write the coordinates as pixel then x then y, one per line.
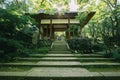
pixel 48 24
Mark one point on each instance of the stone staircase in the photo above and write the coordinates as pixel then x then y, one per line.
pixel 61 64
pixel 57 64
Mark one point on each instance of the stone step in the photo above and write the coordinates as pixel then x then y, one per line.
pixel 66 59
pixel 59 42
pixel 64 55
pixel 62 64
pixel 100 64
pixel 59 63
pixel 59 49
pixel 51 55
pixel 59 46
pixel 41 56
pixel 38 75
pixel 45 64
pixel 91 54
pixel 59 73
pixel 59 52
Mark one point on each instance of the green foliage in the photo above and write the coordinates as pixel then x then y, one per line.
pixel 82 45
pixel 82 1
pixel 10 49
pixel 85 45
pixel 42 50
pixel 73 28
pixel 73 44
pixel 82 17
pixel 16 32
pixel 105 24
pixel 1 1
pixel 44 43
pixel 7 25
pixel 98 47
pixel 116 54
pixel 10 23
pixel 28 51
pixel 107 55
pixel 9 45
pixel 26 34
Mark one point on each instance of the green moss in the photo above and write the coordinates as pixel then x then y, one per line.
pixel 14 69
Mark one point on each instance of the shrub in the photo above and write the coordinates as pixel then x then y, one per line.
pixel 12 42
pixel 98 47
pixel 44 43
pixel 116 54
pixel 85 44
pixel 42 50
pixel 82 45
pixel 10 49
pixel 108 55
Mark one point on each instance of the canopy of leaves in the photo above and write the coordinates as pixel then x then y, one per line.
pixel 82 17
pixel 11 22
pixel 35 6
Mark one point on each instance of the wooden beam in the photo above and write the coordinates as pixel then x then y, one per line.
pixel 60 29
pixel 47 31
pixel 88 18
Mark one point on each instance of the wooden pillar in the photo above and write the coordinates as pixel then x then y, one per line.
pixel 51 30
pixel 47 31
pixel 67 33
